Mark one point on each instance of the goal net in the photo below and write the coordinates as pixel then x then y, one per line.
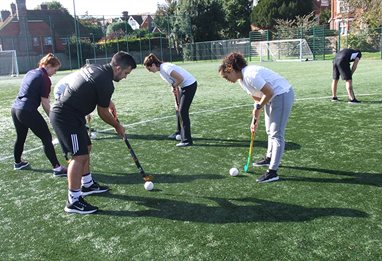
pixel 98 60
pixel 283 50
pixel 8 63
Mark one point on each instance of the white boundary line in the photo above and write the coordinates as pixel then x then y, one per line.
pixel 198 112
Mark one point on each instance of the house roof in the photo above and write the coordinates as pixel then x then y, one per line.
pixel 42 22
pixel 60 21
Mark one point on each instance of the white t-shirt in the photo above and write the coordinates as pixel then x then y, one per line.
pixel 167 68
pixel 255 77
pixel 60 87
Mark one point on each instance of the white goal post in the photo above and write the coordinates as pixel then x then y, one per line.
pixel 8 63
pixel 283 50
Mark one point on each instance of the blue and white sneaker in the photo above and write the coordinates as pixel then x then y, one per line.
pixel 80 207
pixel 60 171
pixel 93 189
pixel 268 176
pixel 21 165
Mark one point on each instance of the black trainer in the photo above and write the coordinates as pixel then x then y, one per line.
pixel 269 176
pixel 21 165
pixel 93 189
pixel 354 101
pixel 80 206
pixel 334 99
pixel 263 162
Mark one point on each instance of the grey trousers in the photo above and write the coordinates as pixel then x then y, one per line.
pixel 276 118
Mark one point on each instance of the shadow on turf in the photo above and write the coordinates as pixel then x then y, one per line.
pixel 373 179
pixel 135 178
pixel 205 142
pixel 222 211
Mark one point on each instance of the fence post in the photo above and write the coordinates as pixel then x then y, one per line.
pixel 380 42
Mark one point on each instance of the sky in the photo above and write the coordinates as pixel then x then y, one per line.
pixel 96 7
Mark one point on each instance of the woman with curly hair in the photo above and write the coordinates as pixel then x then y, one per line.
pixel 270 91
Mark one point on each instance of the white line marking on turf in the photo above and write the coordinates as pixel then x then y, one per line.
pixel 199 112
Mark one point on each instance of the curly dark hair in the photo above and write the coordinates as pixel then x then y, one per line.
pixel 233 61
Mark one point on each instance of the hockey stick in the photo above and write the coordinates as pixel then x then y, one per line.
pixel 136 161
pixel 246 167
pixel 177 100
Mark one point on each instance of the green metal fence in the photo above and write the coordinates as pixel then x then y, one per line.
pixel 324 42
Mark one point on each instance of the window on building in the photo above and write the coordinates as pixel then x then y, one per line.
pixel 36 41
pixel 343 27
pixel 48 40
pixel 64 41
pixel 342 7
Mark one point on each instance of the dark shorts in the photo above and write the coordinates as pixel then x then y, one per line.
pixel 71 132
pixel 341 68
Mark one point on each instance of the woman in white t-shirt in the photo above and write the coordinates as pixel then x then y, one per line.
pixel 271 91
pixel 184 86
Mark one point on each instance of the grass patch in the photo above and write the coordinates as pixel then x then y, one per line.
pixel 326 206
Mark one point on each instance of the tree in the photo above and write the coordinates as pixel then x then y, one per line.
pixel 205 16
pixel 294 28
pixel 367 12
pixel 55 5
pixel 237 15
pixel 264 15
pixel 164 14
pixel 118 29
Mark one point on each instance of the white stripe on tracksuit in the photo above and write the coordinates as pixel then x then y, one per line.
pixel 75 146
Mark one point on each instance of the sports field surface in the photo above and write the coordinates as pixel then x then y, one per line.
pixel 326 206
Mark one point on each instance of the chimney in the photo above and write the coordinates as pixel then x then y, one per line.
pixel 13 8
pixel 4 15
pixel 125 15
pixel 44 7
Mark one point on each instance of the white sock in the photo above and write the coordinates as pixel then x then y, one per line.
pixel 73 195
pixel 87 180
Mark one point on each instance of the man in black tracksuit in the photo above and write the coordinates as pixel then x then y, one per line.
pixel 92 87
pixel 341 66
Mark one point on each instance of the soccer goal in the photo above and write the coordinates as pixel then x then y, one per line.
pixel 8 63
pixel 283 50
pixel 98 60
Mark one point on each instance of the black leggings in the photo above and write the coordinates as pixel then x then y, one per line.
pixel 25 120
pixel 184 124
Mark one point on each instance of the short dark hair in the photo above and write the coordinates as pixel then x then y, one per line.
pixel 124 60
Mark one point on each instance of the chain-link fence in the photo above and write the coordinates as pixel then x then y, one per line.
pixel 213 50
pixel 73 54
pixel 89 37
pixel 74 43
pixel 324 42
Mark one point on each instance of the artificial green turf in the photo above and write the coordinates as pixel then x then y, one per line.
pixel 327 205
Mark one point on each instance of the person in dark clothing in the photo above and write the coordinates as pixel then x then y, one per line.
pixel 34 90
pixel 341 66
pixel 91 87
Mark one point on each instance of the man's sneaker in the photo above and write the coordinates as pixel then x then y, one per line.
pixel 354 101
pixel 21 165
pixel 334 99
pixel 175 136
pixel 184 144
pixel 80 206
pixel 60 171
pixel 268 176
pixel 93 189
pixel 263 162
